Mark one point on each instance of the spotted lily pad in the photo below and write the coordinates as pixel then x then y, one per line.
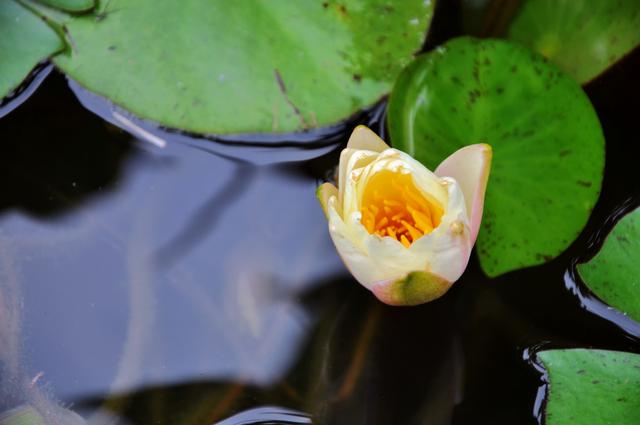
pixel 614 273
pixel 548 145
pixel 25 40
pixel 583 37
pixel 589 387
pixel 226 67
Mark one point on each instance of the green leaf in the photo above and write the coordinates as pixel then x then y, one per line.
pixel 228 67
pixel 414 289
pixel 548 145
pixel 25 40
pixel 589 387
pixel 583 37
pixel 614 273
pixel 70 5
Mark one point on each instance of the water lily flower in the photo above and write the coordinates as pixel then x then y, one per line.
pixel 404 232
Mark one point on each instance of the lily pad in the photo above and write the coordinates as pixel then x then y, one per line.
pixel 25 40
pixel 583 37
pixel 225 67
pixel 70 5
pixel 614 273
pixel 547 141
pixel 592 387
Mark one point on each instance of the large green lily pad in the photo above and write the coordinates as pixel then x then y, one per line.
pixel 589 387
pixel 614 273
pixel 583 37
pixel 548 145
pixel 25 40
pixel 243 66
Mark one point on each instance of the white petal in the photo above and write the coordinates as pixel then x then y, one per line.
pixel 350 248
pixel 363 138
pixel 350 160
pixel 369 258
pixel 372 259
pixel 396 161
pixel 470 167
pixel 424 179
pixel 448 247
pixel 324 192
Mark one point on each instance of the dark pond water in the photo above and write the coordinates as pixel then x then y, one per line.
pixel 194 282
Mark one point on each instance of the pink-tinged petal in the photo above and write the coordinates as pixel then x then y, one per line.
pixel 324 192
pixel 470 167
pixel 363 138
pixel 448 247
pixel 416 288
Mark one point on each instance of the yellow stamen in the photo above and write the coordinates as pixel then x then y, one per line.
pixel 370 226
pixel 415 233
pixel 423 220
pixel 392 206
pixel 399 216
pixel 382 224
pixel 391 231
pixel 412 196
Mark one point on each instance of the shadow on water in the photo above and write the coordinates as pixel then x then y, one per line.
pixel 257 149
pixel 26 89
pixel 355 349
pixel 207 215
pixel 54 154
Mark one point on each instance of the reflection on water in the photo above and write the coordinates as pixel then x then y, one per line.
pixel 26 89
pixel 252 148
pixel 171 287
pixel 188 284
pixel 267 415
pixel 588 299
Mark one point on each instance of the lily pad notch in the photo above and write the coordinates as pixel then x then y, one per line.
pixel 613 274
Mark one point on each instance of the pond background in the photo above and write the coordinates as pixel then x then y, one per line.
pixel 185 284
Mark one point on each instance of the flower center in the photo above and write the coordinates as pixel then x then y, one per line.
pixel 393 206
